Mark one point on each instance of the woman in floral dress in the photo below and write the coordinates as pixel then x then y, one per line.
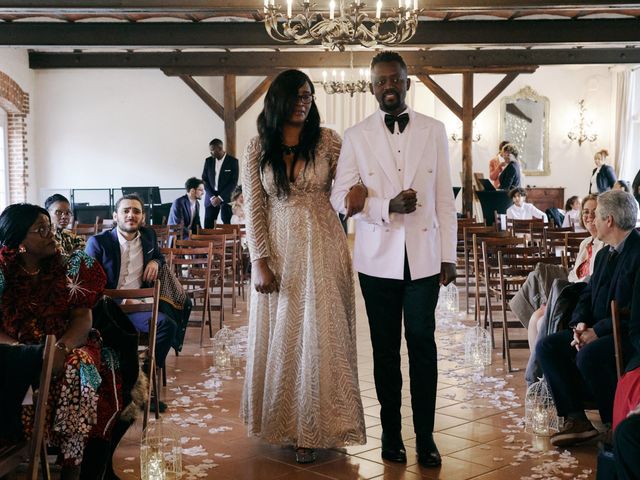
pixel 43 292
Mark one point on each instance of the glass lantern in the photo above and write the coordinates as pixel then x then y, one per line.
pixel 160 453
pixel 224 344
pixel 477 347
pixel 452 304
pixel 541 417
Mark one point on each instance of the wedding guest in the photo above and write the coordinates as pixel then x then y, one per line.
pixel 302 335
pixel 511 175
pixel 603 177
pixel 43 292
pixel 581 361
pixel 521 210
pixel 572 212
pixel 237 206
pixel 496 165
pixel 59 209
pixel 621 185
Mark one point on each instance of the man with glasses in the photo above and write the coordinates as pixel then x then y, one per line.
pixel 220 177
pixel 405 245
pixel 61 219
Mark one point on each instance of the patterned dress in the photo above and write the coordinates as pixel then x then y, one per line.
pixel 301 384
pixel 68 242
pixel 32 307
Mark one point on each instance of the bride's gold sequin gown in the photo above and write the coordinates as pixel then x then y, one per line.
pixel 301 385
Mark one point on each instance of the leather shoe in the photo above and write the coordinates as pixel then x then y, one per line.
pixel 429 456
pixel 393 450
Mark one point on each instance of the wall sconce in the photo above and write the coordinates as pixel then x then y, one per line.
pixel 456 135
pixel 582 130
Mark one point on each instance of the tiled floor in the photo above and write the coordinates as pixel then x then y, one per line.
pixel 478 424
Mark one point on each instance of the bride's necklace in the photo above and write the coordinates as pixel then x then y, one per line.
pixel 288 150
pixel 31 274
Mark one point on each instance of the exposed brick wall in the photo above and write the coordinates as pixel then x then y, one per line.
pixel 16 103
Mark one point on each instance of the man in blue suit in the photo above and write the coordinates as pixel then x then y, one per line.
pixel 580 362
pixel 186 209
pixel 220 177
pixel 130 257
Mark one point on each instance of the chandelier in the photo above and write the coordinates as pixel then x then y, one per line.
pixel 582 130
pixel 349 26
pixel 346 86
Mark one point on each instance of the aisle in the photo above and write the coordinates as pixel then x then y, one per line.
pixel 479 427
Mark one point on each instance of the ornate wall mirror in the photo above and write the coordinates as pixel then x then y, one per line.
pixel 524 122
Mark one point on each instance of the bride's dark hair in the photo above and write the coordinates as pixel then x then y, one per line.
pixel 279 103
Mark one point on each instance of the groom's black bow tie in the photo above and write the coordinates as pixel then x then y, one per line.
pixel 402 119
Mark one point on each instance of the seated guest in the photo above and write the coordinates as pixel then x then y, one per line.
pixel 521 210
pixel 571 212
pixel 547 282
pixel 581 360
pixel 43 292
pixel 237 206
pixel 511 175
pixel 131 259
pixel 185 210
pixel 60 210
pixel 621 185
pixel 626 409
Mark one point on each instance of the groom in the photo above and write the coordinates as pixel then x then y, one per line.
pixel 405 245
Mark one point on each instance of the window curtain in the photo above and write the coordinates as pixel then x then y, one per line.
pixel 627 97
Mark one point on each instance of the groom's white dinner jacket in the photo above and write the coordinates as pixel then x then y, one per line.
pixel 429 233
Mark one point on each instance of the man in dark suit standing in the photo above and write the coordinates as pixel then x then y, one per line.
pixel 220 177
pixel 130 257
pixel 185 210
pixel 581 361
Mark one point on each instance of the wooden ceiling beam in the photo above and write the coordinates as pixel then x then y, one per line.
pixel 268 63
pixel 253 97
pixel 177 35
pixel 205 96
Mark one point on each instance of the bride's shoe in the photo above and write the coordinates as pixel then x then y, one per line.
pixel 305 455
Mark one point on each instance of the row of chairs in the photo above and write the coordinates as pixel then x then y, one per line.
pixel 496 263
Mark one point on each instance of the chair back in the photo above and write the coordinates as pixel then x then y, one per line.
pixel 140 295
pixel 162 235
pixel 35 449
pixel 86 230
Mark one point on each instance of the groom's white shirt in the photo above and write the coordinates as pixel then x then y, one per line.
pixel 429 233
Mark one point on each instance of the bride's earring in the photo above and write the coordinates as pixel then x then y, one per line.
pixel 22 249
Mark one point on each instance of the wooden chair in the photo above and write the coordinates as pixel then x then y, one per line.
pixel 532 230
pixel 572 246
pixel 192 266
pixel 218 260
pixel 34 450
pixel 232 242
pixel 149 343
pixel 514 265
pixel 617 338
pixel 460 252
pixel 238 231
pixel 86 230
pixel 488 277
pixel 467 255
pixel 175 233
pixel 475 269
pixel 106 224
pixel 162 235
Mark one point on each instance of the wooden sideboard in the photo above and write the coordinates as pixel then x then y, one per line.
pixel 546 197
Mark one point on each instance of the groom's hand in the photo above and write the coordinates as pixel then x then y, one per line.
pixel 404 202
pixel 447 273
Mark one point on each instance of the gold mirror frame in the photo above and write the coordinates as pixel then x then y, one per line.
pixel 525 117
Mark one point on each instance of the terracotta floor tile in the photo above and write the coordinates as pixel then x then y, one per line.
pixel 471 440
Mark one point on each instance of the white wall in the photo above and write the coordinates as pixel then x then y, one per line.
pixel 124 127
pixel 15 63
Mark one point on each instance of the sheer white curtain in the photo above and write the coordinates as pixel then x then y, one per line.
pixel 627 130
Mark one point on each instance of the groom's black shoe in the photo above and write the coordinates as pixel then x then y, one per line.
pixel 428 454
pixel 393 449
